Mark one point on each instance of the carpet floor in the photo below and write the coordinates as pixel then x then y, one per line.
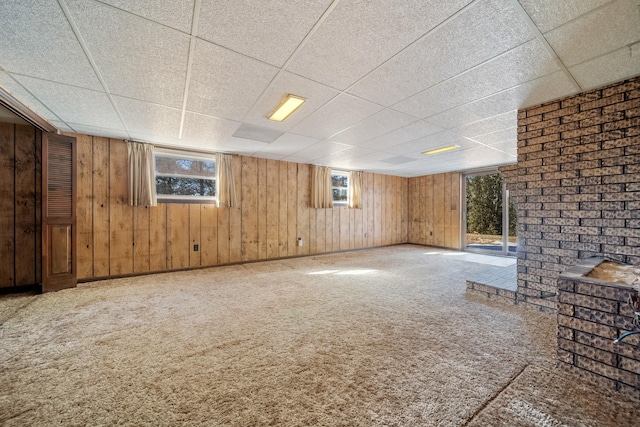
pixel 382 337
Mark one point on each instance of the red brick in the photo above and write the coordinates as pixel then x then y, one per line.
pixel 602 102
pixel 545 108
pixel 621 124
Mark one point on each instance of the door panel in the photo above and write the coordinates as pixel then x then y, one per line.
pixel 59 212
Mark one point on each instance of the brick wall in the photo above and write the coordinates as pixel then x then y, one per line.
pixel 576 186
pixel 591 314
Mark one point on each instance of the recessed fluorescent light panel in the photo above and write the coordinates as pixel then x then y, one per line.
pixel 441 149
pixel 290 104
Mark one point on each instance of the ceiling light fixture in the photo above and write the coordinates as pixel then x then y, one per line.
pixel 440 150
pixel 286 107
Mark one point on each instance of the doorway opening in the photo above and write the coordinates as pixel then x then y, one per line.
pixel 489 217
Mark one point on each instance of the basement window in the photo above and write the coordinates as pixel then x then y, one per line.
pixel 340 188
pixel 182 176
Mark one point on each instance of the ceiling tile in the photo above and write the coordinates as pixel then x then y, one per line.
pixel 74 104
pixel 466 40
pixel 413 131
pixel 99 131
pixel 549 14
pixel 19 92
pixel 519 65
pixel 224 83
pixel 536 91
pixel 348 159
pixel 286 83
pixel 136 57
pixel 150 119
pixel 257 133
pixel 359 35
pixel 436 140
pixel 288 144
pixel 321 149
pixel 504 135
pixel 596 33
pixel 338 114
pixel 174 14
pixel 63 127
pixel 382 122
pixel 488 125
pixel 243 146
pixel 36 40
pixel 268 31
pixel 207 131
pixel 609 68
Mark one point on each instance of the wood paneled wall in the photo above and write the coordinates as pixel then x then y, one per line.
pixel 434 210
pixel 20 205
pixel 116 239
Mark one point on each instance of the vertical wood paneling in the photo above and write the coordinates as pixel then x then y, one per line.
pixel 358 230
pixel 25 199
pixel 273 208
pixel 141 242
pixel 321 230
pixel 438 210
pixel 336 229
pixel 283 211
pixel 428 208
pixel 177 236
pixel 313 231
pixel 405 210
pixel 120 213
pixel 446 214
pixel 249 208
pixel 195 227
pixel 292 208
pixel 235 218
pixel 7 204
pixel 38 216
pixel 262 209
pixel 377 209
pixel 344 227
pixel 84 209
pixel 434 211
pixel 304 195
pixel 370 210
pixel 158 237
pixel 455 210
pixel 223 235
pixel 208 234
pixel 101 221
pixel 328 230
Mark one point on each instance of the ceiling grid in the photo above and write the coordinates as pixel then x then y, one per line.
pixel 384 80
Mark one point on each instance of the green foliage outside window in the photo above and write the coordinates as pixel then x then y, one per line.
pixel 484 206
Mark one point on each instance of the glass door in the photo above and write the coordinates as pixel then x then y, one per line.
pixel 489 217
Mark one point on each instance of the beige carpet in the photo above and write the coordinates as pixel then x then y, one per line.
pixel 383 337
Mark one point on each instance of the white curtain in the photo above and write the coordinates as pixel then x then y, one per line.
pixel 355 189
pixel 226 187
pixel 321 194
pixel 142 185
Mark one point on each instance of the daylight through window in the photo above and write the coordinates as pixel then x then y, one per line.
pixel 184 176
pixel 340 188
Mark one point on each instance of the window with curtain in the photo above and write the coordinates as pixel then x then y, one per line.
pixel 321 191
pixel 141 163
pixel 340 188
pixel 227 197
pixel 182 176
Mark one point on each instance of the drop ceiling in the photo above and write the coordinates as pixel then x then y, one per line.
pixel 385 80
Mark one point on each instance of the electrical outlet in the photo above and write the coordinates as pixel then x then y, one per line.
pixel 195 248
pixel 365 235
pixel 299 241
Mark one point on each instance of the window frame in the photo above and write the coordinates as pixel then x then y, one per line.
pixel 186 155
pixel 347 174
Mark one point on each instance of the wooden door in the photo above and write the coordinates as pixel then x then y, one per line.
pixel 59 212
